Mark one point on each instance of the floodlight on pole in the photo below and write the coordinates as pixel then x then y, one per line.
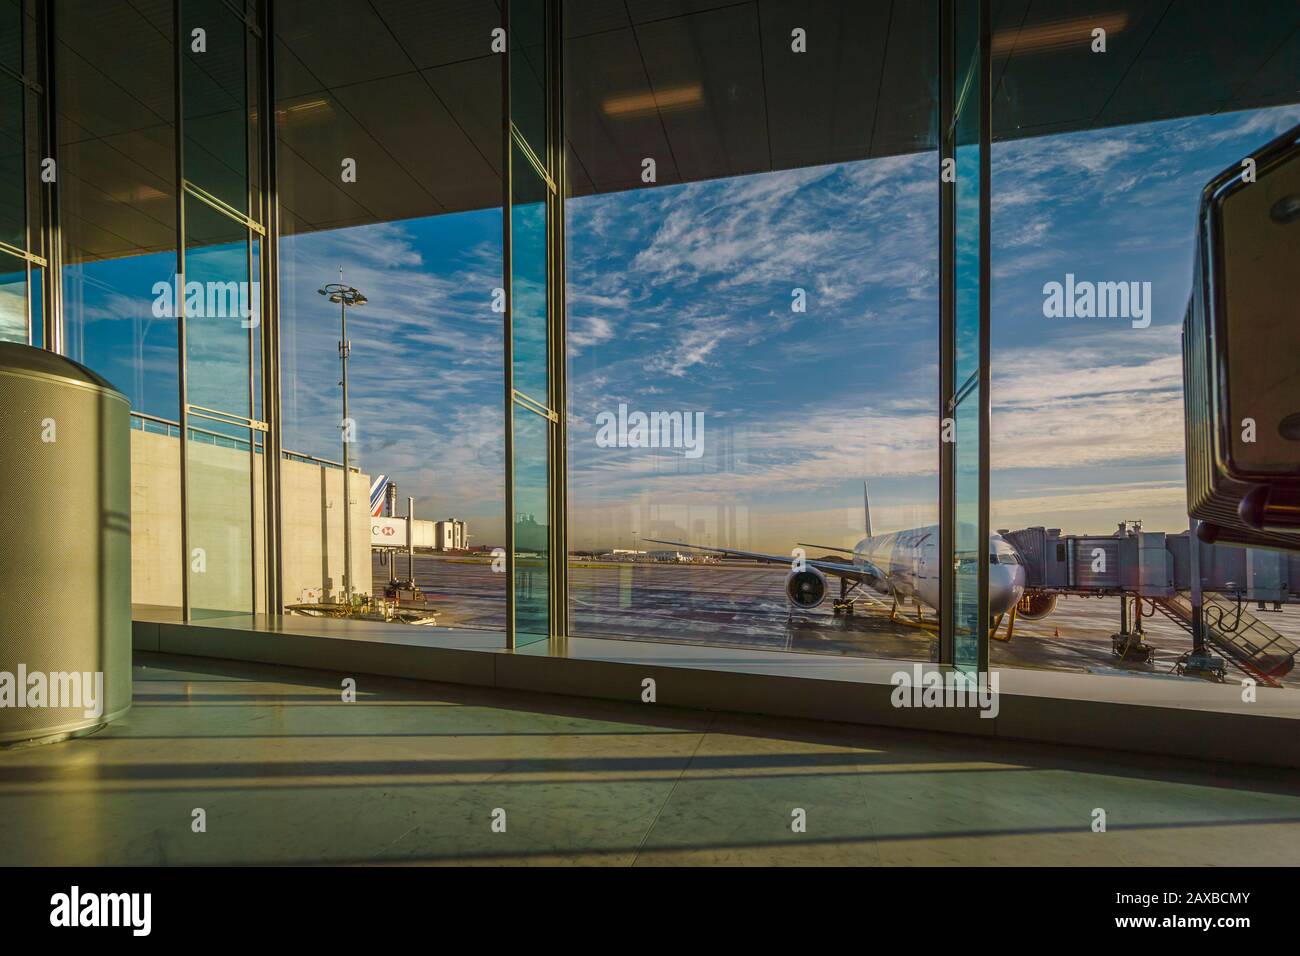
pixel 345 295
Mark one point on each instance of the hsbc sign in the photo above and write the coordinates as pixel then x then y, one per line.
pixel 388 532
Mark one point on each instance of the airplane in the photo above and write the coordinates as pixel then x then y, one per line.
pixel 899 564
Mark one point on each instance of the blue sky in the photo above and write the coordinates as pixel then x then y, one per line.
pixel 679 300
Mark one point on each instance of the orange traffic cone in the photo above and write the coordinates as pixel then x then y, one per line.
pixel 1057 632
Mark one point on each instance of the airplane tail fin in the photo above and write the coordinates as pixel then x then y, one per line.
pixel 866 508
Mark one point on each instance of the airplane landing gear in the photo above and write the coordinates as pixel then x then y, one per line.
pixel 845 604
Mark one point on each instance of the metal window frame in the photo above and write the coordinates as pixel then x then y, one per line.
pixel 551 171
pixel 36 93
pixel 51 224
pixel 269 264
pixel 947 329
pixel 949 392
pixel 264 568
pixel 49 258
pixel 260 27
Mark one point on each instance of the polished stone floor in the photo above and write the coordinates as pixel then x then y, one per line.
pixel 285 771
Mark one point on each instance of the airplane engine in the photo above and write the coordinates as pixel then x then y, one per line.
pixel 806 589
pixel 1036 605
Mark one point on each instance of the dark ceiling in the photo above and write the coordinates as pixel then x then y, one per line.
pixel 411 91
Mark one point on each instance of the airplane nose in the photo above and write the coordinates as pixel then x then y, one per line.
pixel 1006 585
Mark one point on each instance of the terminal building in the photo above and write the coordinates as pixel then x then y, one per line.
pixel 732 328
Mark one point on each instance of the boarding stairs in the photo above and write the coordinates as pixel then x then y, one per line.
pixel 1243 639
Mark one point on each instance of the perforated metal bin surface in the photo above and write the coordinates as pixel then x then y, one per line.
pixel 65 542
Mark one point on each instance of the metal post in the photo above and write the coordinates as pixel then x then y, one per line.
pixel 52 335
pixel 947 332
pixel 272 446
pixel 1198 614
pixel 410 540
pixel 507 199
pixel 985 342
pixel 344 349
pixel 182 388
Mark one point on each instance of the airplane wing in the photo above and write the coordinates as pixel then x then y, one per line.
pixel 826 547
pixel 866 571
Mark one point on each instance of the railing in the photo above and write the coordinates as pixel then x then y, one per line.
pixel 1244 639
pixel 162 426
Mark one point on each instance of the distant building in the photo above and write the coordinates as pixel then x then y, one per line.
pixel 450 534
pixel 530 534
pixel 674 557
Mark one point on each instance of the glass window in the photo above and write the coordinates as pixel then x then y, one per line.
pixel 528 289
pixel 1097 170
pixel 219 298
pixel 968 92
pixel 419 233
pixel 13 183
pixel 13 298
pixel 532 526
pixel 752 310
pixel 117 197
pixel 11 35
pixel 528 73
pixel 214 78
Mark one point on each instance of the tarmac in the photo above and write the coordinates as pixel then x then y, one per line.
pixel 743 604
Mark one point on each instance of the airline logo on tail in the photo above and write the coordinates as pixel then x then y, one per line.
pixel 377 488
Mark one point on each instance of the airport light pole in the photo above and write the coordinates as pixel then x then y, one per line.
pixel 345 295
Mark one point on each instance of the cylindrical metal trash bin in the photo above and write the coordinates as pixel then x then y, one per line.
pixel 65 547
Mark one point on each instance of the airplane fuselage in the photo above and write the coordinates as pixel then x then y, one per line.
pixel 910 562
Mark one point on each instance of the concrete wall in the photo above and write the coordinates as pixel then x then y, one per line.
pixel 155 519
pixel 312 539
pixel 221 514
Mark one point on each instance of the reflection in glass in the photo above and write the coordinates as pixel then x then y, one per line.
pixel 214 84
pixel 120 319
pixel 13 299
pixel 11 35
pixel 528 280
pixel 527 73
pixel 532 550
pixel 421 234
pixel 117 203
pixel 13 187
pixel 969 551
pixel 220 303
pixel 219 500
pixel 37 305
pixel 782 300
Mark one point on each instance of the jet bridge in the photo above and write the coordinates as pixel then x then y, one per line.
pixel 1157 568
